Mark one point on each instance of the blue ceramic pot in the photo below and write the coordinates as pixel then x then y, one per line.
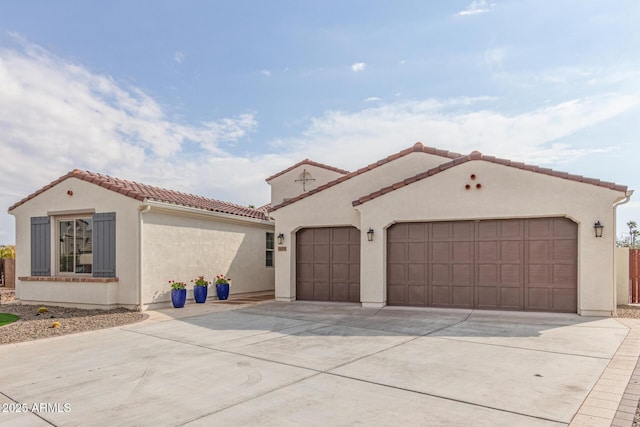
pixel 200 294
pixel 223 290
pixel 178 297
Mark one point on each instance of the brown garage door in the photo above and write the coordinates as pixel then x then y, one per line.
pixel 528 264
pixel 328 264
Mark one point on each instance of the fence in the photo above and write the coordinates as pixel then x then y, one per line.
pixel 634 275
pixel 8 272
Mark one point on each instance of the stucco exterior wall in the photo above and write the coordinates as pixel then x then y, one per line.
pixel 184 245
pixel 285 186
pixel 332 207
pixel 622 275
pixel 505 192
pixel 87 198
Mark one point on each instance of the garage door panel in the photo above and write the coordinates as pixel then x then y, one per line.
pixel 321 272
pixel 396 294
pixel 416 232
pixel 397 273
pixel 462 251
pixel 340 291
pixel 539 228
pixel 565 250
pixel 488 251
pixel 564 300
pixel 511 274
pixel 320 291
pixel 440 251
pixel 397 252
pixel 417 295
pixel 488 296
pixel 539 273
pixel 416 273
pixel 440 273
pixel 354 253
pixel 340 272
pixel 487 273
pixel 354 274
pixel 304 289
pixel 564 274
pixel 461 296
pixel 563 227
pixel 416 252
pixel 520 264
pixel 539 250
pixel 321 253
pixel 328 264
pixel 440 296
pixel 462 273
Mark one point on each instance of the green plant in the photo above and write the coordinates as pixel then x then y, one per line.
pixel 7 251
pixel 42 310
pixel 200 281
pixel 221 280
pixel 177 285
pixel 6 318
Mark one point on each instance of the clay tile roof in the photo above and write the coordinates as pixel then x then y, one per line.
pixel 143 192
pixel 475 155
pixel 307 162
pixel 416 148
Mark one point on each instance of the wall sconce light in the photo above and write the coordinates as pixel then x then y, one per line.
pixel 598 228
pixel 370 234
pixel 280 238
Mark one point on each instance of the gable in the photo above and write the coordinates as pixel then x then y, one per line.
pixel 477 156
pixel 142 192
pixel 384 171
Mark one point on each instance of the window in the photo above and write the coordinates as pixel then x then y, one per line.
pixel 83 245
pixel 269 251
pixel 75 248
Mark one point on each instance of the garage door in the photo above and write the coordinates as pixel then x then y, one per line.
pixel 528 264
pixel 328 264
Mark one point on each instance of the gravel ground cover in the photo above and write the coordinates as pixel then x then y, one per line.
pixel 35 325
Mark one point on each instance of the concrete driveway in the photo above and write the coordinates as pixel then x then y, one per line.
pixel 279 364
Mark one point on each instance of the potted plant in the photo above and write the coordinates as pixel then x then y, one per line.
pixel 200 289
pixel 222 286
pixel 178 293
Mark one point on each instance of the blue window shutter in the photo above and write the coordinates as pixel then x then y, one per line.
pixel 104 244
pixel 40 246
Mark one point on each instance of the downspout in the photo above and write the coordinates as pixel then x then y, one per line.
pixel 615 216
pixel 142 210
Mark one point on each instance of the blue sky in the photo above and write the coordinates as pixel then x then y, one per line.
pixel 211 97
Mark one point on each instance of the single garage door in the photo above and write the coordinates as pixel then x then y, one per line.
pixel 328 264
pixel 523 264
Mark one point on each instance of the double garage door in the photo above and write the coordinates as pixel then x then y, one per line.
pixel 528 264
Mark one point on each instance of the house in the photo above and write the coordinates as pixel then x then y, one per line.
pixel 94 241
pixel 432 228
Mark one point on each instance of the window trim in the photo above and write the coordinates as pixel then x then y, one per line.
pixel 269 250
pixel 56 235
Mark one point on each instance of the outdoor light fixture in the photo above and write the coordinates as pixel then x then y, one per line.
pixel 370 234
pixel 598 227
pixel 280 238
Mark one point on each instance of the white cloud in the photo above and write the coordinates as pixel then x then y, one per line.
pixel 494 57
pixel 178 57
pixel 457 125
pixel 372 99
pixel 266 73
pixel 358 66
pixel 476 7
pixel 56 116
